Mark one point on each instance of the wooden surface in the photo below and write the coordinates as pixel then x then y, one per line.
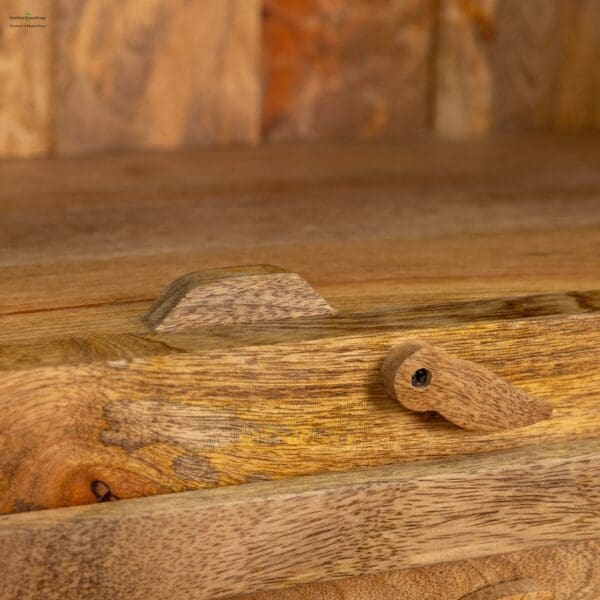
pixel 25 79
pixel 522 589
pixel 424 378
pixel 395 237
pixel 162 74
pixel 334 69
pixel 369 226
pixel 506 65
pixel 170 73
pixel 153 413
pixel 234 296
pixel 570 571
pixel 276 534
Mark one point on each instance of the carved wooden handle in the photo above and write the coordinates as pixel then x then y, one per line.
pixel 424 378
pixel 521 589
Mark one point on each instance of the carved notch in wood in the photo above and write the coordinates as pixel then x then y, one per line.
pixel 235 296
pixel 424 378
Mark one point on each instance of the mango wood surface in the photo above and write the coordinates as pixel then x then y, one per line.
pixel 155 413
pixel 368 225
pixel 503 65
pixel 568 571
pixel 210 543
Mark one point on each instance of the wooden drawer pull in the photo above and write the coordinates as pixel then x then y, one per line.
pixel 423 378
pixel 521 589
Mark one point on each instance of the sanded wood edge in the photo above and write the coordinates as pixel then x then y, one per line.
pixel 234 295
pixel 207 544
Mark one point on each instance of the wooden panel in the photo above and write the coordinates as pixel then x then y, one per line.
pixel 87 232
pixel 165 73
pixel 336 69
pixel 578 103
pixel 512 65
pixel 571 571
pixel 149 414
pixel 217 542
pixel 25 78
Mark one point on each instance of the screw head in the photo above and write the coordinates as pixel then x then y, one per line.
pixel 421 378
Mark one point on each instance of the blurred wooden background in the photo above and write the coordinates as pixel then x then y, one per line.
pixel 111 74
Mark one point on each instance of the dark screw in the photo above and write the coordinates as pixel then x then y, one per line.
pixel 421 378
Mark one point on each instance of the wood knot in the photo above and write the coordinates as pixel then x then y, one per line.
pixel 102 491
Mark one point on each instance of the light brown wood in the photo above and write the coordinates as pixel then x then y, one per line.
pixel 463 78
pixel 25 78
pixel 154 413
pixel 234 296
pixel 522 589
pixel 424 378
pixel 505 65
pixel 211 543
pixel 116 230
pixel 570 571
pixel 163 74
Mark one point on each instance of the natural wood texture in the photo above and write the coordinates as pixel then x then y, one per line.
pixel 463 79
pixel 153 413
pixel 570 571
pixel 522 589
pixel 25 78
pixel 234 296
pixel 512 65
pixel 166 73
pixel 266 534
pixel 334 69
pixel 424 378
pixel 369 225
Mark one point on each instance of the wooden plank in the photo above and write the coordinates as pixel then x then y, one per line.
pixel 506 65
pixel 165 74
pixel 578 103
pixel 217 542
pixel 85 232
pixel 462 103
pixel 339 70
pixel 25 78
pixel 569 570
pixel 149 414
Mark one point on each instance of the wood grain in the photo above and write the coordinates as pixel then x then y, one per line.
pixel 25 79
pixel 570 571
pixel 505 65
pixel 234 296
pixel 166 73
pixel 424 378
pixel 335 69
pixel 116 230
pixel 522 589
pixel 154 413
pixel 211 543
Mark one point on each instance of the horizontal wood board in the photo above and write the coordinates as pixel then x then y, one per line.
pixel 153 413
pixel 212 543
pixel 370 226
